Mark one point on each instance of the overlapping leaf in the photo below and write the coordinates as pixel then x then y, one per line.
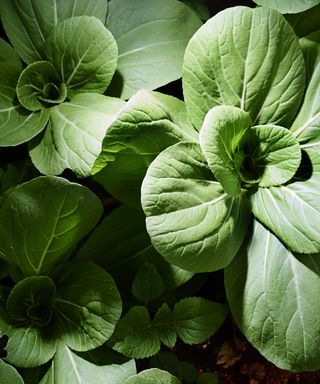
pixel 248 58
pixel 42 221
pixel 149 123
pixel 121 243
pixel 29 23
pixel 67 367
pixel 152 39
pixel 288 6
pixel 268 289
pixel 192 222
pixel 84 52
pixel 73 139
pixel 193 319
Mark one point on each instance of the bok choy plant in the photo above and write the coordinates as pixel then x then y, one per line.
pixel 72 51
pixel 243 194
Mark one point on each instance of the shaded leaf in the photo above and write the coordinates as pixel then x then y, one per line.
pixel 133 341
pixel 9 374
pixel 147 284
pixel 39 85
pixel 87 305
pixel 121 243
pixel 152 37
pixel 55 205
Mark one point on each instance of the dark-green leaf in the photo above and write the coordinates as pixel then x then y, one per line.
pixel 49 216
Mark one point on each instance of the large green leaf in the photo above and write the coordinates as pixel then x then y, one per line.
pixel 148 123
pixel 288 6
pixel 192 222
pixel 248 58
pixel 121 243
pixel 9 374
pixel 73 139
pixel 85 53
pixel 292 211
pixel 29 23
pixel 39 86
pixel 274 297
pixel 153 376
pixel 67 367
pixel 152 37
pixel 220 134
pixel 42 220
pixel 306 126
pixel 87 305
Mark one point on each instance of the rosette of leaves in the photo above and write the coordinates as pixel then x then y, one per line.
pixel 245 196
pixel 57 101
pixel 54 306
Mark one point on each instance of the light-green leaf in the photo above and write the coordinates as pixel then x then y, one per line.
pixel 67 367
pixel 153 376
pixel 9 374
pixel 152 37
pixel 288 6
pixel 292 211
pixel 87 305
pixel 269 292
pixel 306 126
pixel 270 156
pixel 39 85
pixel 8 54
pixel 192 222
pixel 121 243
pixel 29 23
pixel 248 58
pixel 65 212
pixel 149 123
pixel 73 139
pixel 220 134
pixel 85 53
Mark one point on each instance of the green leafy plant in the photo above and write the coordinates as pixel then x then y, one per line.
pixel 245 196
pixel 98 272
pixel 56 102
